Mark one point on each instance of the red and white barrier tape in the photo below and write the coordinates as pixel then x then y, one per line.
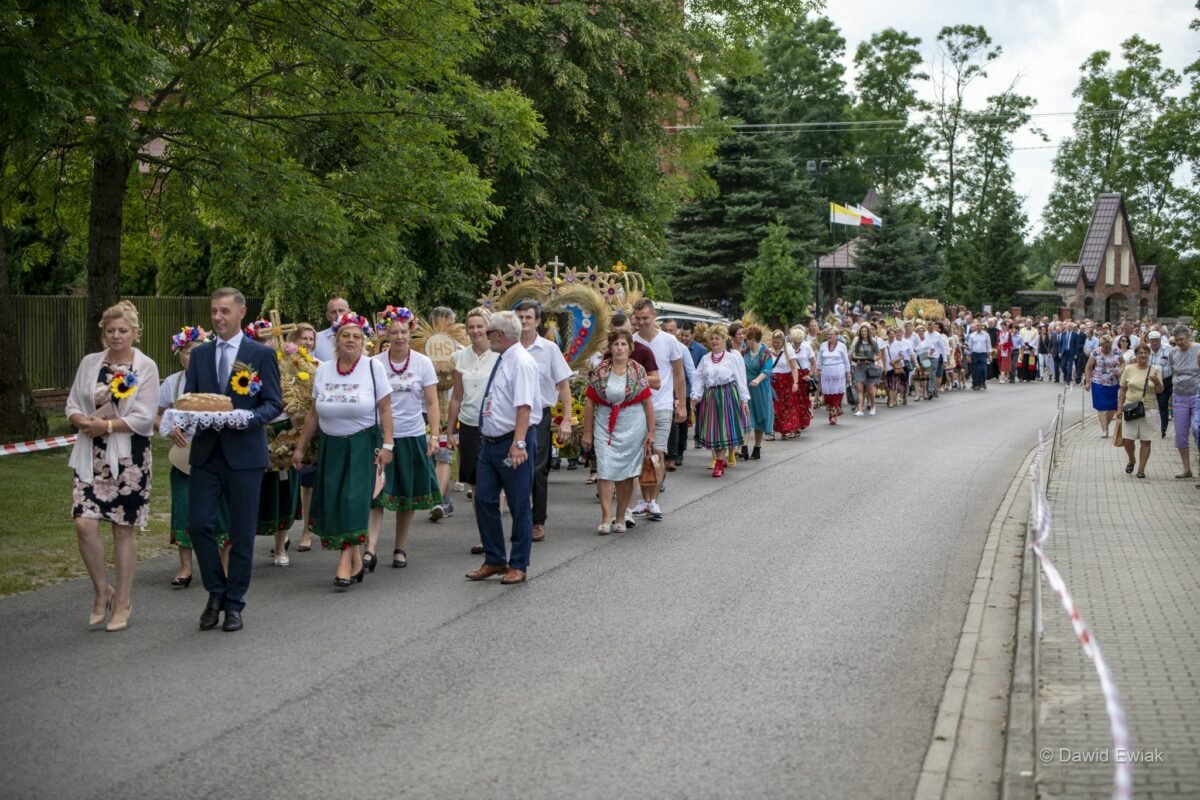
pixel 1123 775
pixel 49 443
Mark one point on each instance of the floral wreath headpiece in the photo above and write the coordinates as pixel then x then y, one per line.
pixel 394 314
pixel 187 335
pixel 256 329
pixel 350 318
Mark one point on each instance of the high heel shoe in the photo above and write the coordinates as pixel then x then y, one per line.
pixel 182 583
pixel 756 454
pixel 370 560
pixel 358 576
pixel 744 454
pixel 402 561
pixel 343 583
pixel 119 621
pixel 96 619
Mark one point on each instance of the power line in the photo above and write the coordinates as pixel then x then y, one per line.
pixel 838 126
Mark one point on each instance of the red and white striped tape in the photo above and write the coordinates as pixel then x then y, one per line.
pixel 1123 774
pixel 49 443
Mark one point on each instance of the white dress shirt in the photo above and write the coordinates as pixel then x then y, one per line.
pixel 323 349
pixel 552 370
pixel 514 384
pixel 236 344
pixel 473 370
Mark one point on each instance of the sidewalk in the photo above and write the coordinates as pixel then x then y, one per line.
pixel 1129 550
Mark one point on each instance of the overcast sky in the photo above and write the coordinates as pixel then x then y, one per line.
pixel 1044 43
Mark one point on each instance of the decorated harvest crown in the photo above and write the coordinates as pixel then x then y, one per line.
pixel 395 314
pixel 187 335
pixel 577 303
pixel 350 318
pixel 258 329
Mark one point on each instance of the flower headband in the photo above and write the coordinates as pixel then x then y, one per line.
pixel 394 314
pixel 256 329
pixel 350 318
pixel 187 335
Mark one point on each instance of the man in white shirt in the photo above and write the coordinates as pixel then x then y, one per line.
pixel 979 349
pixel 1160 356
pixel 553 384
pixel 323 350
pixel 669 399
pixel 509 413
pixel 678 441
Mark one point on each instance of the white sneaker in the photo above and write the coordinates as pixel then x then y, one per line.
pixel 871 413
pixel 436 513
pixel 653 512
pixel 858 413
pixel 639 508
pixel 282 561
pixel 630 522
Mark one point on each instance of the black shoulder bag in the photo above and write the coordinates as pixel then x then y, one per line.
pixel 1132 411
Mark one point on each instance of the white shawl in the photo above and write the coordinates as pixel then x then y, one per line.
pixel 137 411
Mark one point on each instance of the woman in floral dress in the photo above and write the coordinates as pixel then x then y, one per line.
pixel 113 404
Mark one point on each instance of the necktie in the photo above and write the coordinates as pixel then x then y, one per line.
pixel 223 364
pixel 488 390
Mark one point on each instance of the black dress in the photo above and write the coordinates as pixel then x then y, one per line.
pixel 123 498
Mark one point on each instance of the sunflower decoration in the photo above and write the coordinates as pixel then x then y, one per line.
pixel 245 381
pixel 124 383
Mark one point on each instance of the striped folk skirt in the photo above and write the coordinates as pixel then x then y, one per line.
pixel 719 421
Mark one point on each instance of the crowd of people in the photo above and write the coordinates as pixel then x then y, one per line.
pixel 654 392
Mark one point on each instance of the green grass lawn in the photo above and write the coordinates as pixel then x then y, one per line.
pixel 37 537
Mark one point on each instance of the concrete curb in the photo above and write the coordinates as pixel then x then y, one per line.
pixel 965 752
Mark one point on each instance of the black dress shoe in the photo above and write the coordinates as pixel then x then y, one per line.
pixel 756 453
pixel 233 620
pixel 212 614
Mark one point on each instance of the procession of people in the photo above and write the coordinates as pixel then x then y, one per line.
pixel 369 434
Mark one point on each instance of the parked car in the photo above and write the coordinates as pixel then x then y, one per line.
pixel 680 312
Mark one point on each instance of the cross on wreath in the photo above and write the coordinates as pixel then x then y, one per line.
pixel 279 331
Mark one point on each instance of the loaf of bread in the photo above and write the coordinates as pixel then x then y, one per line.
pixel 194 401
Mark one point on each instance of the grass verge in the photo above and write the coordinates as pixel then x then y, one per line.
pixel 37 537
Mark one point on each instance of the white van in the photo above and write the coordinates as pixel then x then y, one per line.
pixel 680 312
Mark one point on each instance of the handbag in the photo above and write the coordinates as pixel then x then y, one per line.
pixel 1132 411
pixel 898 366
pixel 873 372
pixel 649 476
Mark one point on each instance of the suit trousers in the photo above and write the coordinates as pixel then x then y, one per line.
pixel 1164 403
pixel 1067 364
pixel 979 366
pixel 541 468
pixel 1080 363
pixel 241 488
pixel 491 475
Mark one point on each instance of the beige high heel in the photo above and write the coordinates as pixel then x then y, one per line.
pixel 119 622
pixel 96 619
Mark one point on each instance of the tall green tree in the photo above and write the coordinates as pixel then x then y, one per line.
pixel 896 262
pixel 778 288
pixel 999 254
pixel 893 153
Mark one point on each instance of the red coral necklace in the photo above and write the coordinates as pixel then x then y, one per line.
pixel 337 366
pixel 400 372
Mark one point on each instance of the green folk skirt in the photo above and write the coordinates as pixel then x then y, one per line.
pixel 179 513
pixel 411 484
pixel 342 488
pixel 278 501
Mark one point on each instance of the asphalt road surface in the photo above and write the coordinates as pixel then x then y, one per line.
pixel 785 632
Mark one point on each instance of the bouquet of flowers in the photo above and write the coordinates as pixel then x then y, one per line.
pixel 573 446
pixel 296 372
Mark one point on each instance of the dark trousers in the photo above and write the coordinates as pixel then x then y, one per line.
pixel 1058 366
pixel 1080 362
pixel 677 442
pixel 491 475
pixel 1164 402
pixel 1068 366
pixel 241 488
pixel 979 365
pixel 541 468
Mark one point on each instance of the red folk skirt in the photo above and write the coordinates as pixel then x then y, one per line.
pixel 787 403
pixel 805 402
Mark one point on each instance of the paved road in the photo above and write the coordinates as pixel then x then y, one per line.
pixel 786 632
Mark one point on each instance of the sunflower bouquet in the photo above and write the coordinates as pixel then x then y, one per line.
pixel 297 369
pixel 573 446
pixel 124 383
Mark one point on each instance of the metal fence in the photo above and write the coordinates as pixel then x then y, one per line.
pixel 52 335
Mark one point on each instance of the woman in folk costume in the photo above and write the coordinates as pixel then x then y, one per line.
pixel 785 385
pixel 169 391
pixel 280 496
pixel 618 425
pixel 833 373
pixel 719 387
pixel 805 356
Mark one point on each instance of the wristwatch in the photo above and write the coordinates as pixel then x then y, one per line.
pixel 520 445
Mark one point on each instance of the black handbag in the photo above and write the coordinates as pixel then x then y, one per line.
pixel 1132 411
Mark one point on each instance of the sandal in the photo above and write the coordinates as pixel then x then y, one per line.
pixel 1141 474
pixel 1129 468
pixel 402 561
pixel 1183 476
pixel 591 479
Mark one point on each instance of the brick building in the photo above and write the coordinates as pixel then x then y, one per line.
pixel 1107 282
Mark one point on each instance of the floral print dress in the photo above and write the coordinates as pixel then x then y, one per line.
pixel 124 498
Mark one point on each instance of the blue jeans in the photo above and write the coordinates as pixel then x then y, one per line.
pixel 491 475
